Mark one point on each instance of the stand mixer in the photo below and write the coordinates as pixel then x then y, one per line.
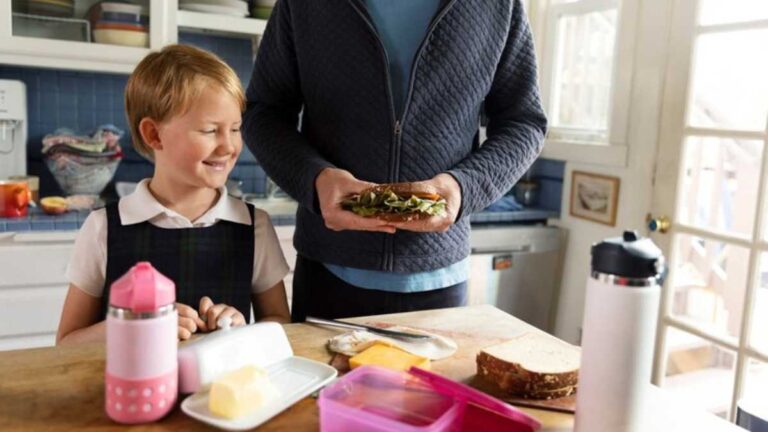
pixel 13 128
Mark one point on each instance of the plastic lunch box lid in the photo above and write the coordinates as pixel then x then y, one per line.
pixel 464 392
pixel 443 386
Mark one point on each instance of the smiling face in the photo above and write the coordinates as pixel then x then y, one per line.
pixel 199 147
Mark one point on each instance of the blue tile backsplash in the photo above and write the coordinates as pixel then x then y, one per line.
pixel 81 101
pixel 549 175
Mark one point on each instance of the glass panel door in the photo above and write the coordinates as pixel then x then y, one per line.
pixel 712 345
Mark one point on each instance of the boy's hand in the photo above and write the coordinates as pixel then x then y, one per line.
pixel 189 321
pixel 211 313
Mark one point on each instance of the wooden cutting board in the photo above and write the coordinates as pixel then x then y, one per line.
pixel 458 367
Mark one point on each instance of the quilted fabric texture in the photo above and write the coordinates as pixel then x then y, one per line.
pixel 325 60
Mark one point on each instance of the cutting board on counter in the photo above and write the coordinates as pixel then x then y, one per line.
pixel 462 367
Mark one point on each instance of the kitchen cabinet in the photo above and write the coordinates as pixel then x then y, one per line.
pixel 164 25
pixel 33 286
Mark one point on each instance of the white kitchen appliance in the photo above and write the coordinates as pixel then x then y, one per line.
pixel 517 269
pixel 13 128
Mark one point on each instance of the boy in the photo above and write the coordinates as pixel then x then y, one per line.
pixel 184 109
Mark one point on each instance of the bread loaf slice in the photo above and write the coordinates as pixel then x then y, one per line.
pixel 533 365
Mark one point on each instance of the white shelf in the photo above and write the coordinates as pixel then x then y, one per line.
pixel 51 53
pixel 221 24
pixel 166 20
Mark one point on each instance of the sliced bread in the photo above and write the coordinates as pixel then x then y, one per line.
pixel 533 365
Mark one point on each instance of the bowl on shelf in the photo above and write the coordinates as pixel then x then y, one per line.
pixel 101 25
pixel 121 37
pixel 121 8
pixel 119 23
pixel 237 8
pixel 121 17
pixel 55 8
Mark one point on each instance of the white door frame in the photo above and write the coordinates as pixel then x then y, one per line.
pixel 667 182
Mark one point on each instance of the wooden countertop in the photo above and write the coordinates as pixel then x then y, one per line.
pixel 61 388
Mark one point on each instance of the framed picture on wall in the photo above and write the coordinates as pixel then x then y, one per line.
pixel 594 197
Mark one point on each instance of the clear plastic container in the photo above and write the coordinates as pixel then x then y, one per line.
pixel 378 400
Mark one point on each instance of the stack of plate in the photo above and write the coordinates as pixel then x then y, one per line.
pixel 57 8
pixel 262 8
pixel 119 23
pixel 221 7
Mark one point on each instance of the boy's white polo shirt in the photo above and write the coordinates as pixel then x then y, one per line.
pixel 88 266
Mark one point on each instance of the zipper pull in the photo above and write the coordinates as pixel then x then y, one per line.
pixel 398 129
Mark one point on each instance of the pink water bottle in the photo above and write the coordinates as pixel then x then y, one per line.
pixel 141 373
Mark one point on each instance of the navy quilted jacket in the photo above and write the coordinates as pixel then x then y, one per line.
pixel 325 58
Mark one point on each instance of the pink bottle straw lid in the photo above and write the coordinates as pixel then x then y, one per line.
pixel 142 289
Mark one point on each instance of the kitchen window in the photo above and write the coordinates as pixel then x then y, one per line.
pixel 585 59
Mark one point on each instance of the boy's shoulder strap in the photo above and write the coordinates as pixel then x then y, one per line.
pixel 113 214
pixel 252 212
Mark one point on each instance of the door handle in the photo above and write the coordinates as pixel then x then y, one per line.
pixel 660 224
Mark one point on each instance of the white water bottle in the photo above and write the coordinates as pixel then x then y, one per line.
pixel 620 315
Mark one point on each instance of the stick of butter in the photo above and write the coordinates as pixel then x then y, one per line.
pixel 389 357
pixel 240 392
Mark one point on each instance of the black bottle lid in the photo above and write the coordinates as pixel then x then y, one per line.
pixel 628 256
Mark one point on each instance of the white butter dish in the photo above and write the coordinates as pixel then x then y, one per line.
pixel 294 377
pixel 203 360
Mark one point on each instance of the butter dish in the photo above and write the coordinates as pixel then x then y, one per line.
pixel 203 360
pixel 294 378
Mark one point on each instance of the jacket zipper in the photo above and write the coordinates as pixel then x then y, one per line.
pixel 388 261
pixel 394 169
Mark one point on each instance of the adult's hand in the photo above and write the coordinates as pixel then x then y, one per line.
pixel 447 187
pixel 333 185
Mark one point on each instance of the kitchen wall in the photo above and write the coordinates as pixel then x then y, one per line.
pixel 636 190
pixel 82 101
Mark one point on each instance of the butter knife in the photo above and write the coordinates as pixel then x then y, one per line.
pixel 381 331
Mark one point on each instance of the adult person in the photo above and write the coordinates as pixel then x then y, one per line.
pixel 348 94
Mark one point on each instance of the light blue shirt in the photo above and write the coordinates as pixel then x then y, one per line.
pixel 402 26
pixel 403 282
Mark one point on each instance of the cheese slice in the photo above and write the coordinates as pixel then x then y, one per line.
pixel 389 357
pixel 240 392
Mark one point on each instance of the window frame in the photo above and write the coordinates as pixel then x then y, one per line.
pixel 544 16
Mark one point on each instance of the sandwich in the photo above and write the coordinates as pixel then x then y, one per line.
pixel 396 202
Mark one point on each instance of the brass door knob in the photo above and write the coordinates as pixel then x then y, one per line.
pixel 659 224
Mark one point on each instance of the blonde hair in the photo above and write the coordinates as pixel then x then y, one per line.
pixel 167 83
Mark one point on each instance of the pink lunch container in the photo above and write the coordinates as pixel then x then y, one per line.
pixel 375 399
pixel 141 372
